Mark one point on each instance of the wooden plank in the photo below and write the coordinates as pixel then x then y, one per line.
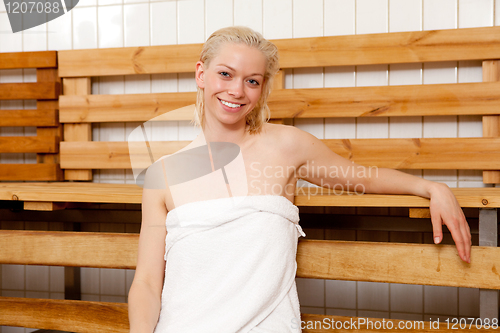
pixel 491 124
pixel 365 49
pixel 67 248
pixel 47 117
pixel 383 101
pixel 322 197
pixel 390 48
pixel 422 264
pixel 114 155
pixel 426 153
pixel 29 172
pixel 44 205
pixel 426 264
pixel 28 144
pixel 420 213
pixel 77 132
pixel 129 60
pixel 35 90
pixel 387 101
pixel 64 315
pixel 88 316
pixel 131 193
pixel 39 59
pixel 129 107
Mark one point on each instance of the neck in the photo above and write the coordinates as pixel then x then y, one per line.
pixel 218 132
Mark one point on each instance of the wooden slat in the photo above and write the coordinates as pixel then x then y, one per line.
pixel 71 192
pixel 29 172
pixel 29 144
pixel 365 49
pixel 391 48
pixel 66 248
pixel 35 90
pixel 466 197
pixel 39 59
pixel 47 117
pixel 427 153
pixel 420 213
pixel 129 193
pixel 77 132
pixel 426 264
pixel 114 155
pixel 129 60
pixel 129 107
pixel 385 101
pixel 64 315
pixel 422 264
pixel 491 124
pixel 88 316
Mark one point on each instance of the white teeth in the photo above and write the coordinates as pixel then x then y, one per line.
pixel 231 105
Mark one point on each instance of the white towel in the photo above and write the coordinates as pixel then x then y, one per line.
pixel 230 267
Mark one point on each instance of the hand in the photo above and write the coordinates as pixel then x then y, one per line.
pixel 444 209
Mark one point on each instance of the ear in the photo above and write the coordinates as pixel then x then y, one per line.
pixel 199 75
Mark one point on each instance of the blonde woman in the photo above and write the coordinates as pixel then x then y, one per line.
pixel 219 228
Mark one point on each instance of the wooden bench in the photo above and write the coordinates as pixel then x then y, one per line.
pixel 421 264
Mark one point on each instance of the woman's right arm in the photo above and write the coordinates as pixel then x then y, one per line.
pixel 144 298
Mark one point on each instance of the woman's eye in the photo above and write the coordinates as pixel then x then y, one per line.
pixel 252 81
pixel 224 74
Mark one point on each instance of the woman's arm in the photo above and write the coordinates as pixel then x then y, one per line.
pixel 320 166
pixel 144 298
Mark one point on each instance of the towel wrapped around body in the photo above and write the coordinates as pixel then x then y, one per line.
pixel 230 267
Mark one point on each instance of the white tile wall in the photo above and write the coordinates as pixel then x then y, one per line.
pixel 117 23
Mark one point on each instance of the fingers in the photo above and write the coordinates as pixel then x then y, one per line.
pixel 436 227
pixel 460 232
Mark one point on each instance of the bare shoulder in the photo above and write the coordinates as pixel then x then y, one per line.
pixel 286 137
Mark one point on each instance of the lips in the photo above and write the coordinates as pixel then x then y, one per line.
pixel 228 108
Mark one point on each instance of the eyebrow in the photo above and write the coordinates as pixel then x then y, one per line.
pixel 231 68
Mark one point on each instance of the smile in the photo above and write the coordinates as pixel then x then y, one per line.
pixel 231 105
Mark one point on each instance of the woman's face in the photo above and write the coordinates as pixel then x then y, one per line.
pixel 232 83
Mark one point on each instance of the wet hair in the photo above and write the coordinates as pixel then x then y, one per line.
pixel 241 35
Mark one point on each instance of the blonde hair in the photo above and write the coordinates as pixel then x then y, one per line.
pixel 242 35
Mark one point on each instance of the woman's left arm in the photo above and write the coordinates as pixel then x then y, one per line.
pixel 319 165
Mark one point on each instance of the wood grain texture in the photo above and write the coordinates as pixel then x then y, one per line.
pixel 39 59
pixel 29 172
pixel 35 90
pixel 365 49
pixel 29 144
pixel 65 248
pixel 491 124
pixel 77 132
pixel 45 117
pixel 130 193
pixel 426 264
pixel 422 264
pixel 87 316
pixel 427 153
pixel 64 315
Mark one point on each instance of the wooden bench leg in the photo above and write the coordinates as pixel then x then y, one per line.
pixel 488 236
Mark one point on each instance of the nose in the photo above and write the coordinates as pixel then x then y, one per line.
pixel 236 89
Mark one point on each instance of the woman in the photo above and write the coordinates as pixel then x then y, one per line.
pixel 234 76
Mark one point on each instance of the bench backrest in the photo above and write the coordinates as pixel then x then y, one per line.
pixel 45 118
pixel 79 109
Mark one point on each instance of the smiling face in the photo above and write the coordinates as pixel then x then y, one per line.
pixel 232 83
